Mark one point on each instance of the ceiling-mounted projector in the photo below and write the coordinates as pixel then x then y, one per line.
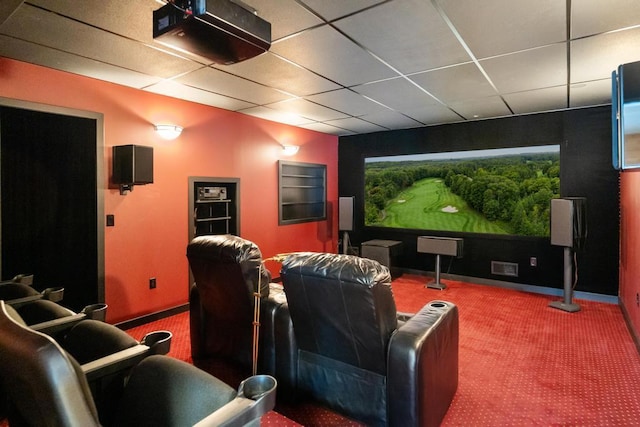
pixel 220 30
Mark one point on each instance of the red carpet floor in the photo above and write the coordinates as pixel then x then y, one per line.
pixel 521 363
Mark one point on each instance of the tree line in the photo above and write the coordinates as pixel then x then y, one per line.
pixel 515 190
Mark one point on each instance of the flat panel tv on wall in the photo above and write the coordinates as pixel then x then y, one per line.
pixel 504 191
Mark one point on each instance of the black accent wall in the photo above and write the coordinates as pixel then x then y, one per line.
pixel 585 162
pixel 49 202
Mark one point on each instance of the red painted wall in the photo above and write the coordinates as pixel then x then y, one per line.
pixel 630 247
pixel 151 223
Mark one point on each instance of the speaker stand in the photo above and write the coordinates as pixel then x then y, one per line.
pixel 345 243
pixel 567 304
pixel 436 284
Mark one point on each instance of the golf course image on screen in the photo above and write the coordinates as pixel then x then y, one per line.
pixel 497 191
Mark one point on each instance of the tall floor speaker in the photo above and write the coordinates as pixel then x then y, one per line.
pixel 345 220
pixel 568 228
pixel 569 222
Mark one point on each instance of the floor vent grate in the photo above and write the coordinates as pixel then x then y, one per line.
pixel 502 268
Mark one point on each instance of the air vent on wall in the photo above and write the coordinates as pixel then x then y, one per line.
pixel 220 30
pixel 502 268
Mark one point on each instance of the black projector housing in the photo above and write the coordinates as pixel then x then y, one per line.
pixel 219 30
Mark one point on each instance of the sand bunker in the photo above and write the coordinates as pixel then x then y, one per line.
pixel 450 209
pixel 401 201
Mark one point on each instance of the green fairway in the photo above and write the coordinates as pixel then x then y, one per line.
pixel 428 204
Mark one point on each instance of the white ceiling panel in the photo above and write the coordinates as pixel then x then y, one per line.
pixel 333 9
pixel 455 83
pixel 177 90
pixel 308 109
pixel 356 125
pixel 408 34
pixel 286 16
pixel 53 58
pixel 481 108
pixel 392 120
pixel 54 31
pixel 590 17
pixel 325 51
pixel 277 116
pixel 435 113
pixel 398 94
pixel 596 92
pixel 217 81
pixel 326 128
pixel 534 101
pixel 594 58
pixel 273 71
pixel 530 69
pixel 352 66
pixel 347 101
pixel 495 27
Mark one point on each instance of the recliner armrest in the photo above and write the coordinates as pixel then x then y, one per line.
pixel 256 396
pixel 115 362
pixel 422 371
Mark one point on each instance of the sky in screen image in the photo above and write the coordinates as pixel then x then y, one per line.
pixel 473 154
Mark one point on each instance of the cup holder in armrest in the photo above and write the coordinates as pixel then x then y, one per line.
pixel 96 311
pixel 55 294
pixel 158 341
pixel 257 386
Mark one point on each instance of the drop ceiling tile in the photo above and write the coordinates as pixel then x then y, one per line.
pixel 275 72
pixel 7 7
pixel 117 16
pixel 430 114
pixel 347 101
pixel 276 116
pixel 325 128
pixel 392 120
pixel 481 108
pixel 590 93
pixel 286 16
pixel 530 69
pixel 304 108
pixel 54 31
pixel 326 52
pixel 214 80
pixel 398 94
pixel 455 83
pixel 594 58
pixel 176 90
pixel 333 9
pixel 495 27
pixel 356 125
pixel 554 98
pixel 410 35
pixel 52 58
pixel 589 17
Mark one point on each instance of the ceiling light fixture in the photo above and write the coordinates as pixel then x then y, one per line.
pixel 168 131
pixel 290 150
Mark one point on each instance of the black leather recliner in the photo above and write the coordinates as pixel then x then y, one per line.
pixel 354 352
pixel 227 271
pixel 46 386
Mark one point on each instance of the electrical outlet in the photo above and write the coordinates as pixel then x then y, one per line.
pixel 152 283
pixel 638 299
pixel 533 261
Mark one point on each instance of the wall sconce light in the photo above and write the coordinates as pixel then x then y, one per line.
pixel 290 150
pixel 168 131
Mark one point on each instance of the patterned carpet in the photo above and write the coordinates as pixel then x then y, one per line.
pixel 521 363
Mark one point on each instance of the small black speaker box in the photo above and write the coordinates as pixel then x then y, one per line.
pixel 132 164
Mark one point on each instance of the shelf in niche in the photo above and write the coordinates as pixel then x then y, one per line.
pixel 302 192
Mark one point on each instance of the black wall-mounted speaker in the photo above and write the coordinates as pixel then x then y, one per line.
pixel 345 210
pixel 132 164
pixel 568 222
